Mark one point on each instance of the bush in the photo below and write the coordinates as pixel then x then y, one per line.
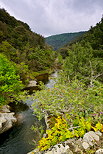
pixel 10 85
pixel 72 98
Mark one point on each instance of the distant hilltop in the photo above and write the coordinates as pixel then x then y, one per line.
pixel 58 41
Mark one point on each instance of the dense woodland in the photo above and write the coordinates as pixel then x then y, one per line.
pixel 75 104
pixel 24 50
pixel 58 41
pixel 21 45
pixel 76 101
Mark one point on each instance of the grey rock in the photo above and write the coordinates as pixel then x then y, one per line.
pixel 69 151
pixel 6 121
pixel 79 142
pixel 99 151
pixel 98 133
pixel 32 83
pixel 75 145
pixel 2 120
pixel 49 152
pixel 85 145
pixel 35 151
pixel 90 139
pixel 5 109
pixel 58 149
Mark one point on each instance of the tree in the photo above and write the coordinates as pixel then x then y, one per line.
pixel 10 85
pixel 81 64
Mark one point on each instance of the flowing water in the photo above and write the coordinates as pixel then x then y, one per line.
pixel 19 139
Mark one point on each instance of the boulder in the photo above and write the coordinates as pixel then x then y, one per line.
pixel 75 145
pixel 5 109
pixel 32 83
pixel 99 151
pixel 90 139
pixel 7 119
pixel 58 149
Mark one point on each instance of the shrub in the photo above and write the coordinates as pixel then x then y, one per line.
pixel 10 85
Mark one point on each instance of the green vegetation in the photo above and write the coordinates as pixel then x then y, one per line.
pixel 85 58
pixel 78 109
pixel 24 47
pixel 82 64
pixel 75 104
pixel 10 84
pixel 57 41
pixel 61 131
pixel 23 54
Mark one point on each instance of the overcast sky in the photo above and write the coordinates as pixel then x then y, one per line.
pixel 49 17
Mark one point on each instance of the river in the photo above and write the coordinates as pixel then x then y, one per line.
pixel 19 139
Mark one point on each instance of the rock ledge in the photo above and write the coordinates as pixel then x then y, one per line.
pixel 7 119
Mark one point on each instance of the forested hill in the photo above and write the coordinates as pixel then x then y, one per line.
pixel 23 47
pixel 94 37
pixel 57 41
pixel 17 33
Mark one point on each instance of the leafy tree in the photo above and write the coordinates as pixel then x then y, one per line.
pixel 81 64
pixel 24 47
pixel 10 85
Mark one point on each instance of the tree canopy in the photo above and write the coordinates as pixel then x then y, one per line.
pixel 10 84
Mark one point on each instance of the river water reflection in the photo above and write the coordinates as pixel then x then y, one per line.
pixel 18 140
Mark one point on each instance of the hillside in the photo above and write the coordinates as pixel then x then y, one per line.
pixel 94 37
pixel 23 47
pixel 57 41
pixel 75 104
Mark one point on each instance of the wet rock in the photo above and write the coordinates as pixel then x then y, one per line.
pixel 5 108
pixel 36 151
pixel 2 120
pixel 99 151
pixel 7 119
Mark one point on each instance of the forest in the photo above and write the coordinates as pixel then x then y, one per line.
pixel 75 104
pixel 58 41
pixel 23 52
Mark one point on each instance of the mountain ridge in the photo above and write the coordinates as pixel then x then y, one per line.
pixel 59 40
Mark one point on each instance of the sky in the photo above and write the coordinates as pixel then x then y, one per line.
pixel 50 17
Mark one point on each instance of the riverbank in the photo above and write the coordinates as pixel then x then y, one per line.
pixel 91 143
pixel 20 137
pixel 7 119
pixel 80 118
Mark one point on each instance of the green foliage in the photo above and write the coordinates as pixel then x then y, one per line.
pixel 61 132
pixel 40 59
pixel 76 109
pixel 57 41
pixel 82 65
pixel 10 85
pixel 94 37
pixel 76 100
pixel 72 98
pixel 78 96
pixel 24 47
pixel 84 59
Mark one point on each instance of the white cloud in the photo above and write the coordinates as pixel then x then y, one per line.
pixel 48 17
